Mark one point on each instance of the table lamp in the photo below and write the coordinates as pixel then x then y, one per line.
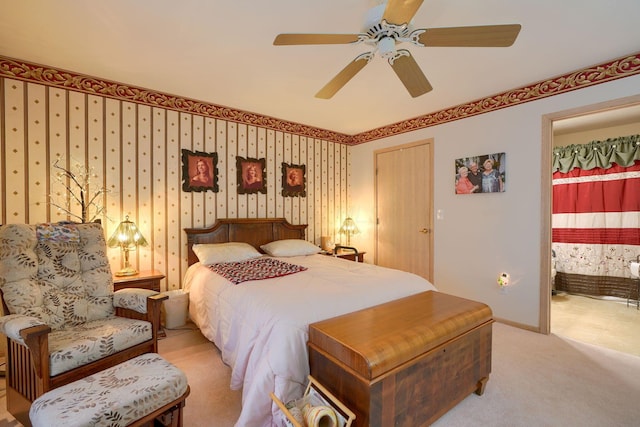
pixel 127 237
pixel 349 227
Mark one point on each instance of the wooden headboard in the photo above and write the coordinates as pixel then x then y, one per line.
pixel 255 231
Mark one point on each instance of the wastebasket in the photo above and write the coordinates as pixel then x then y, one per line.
pixel 175 308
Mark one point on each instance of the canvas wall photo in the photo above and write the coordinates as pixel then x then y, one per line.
pixel 480 174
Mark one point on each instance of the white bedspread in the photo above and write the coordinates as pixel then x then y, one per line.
pixel 261 327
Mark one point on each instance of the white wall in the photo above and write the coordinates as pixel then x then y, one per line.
pixel 482 235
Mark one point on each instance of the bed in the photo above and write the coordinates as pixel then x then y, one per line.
pixel 261 326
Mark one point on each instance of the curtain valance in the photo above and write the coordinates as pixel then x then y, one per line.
pixel 623 151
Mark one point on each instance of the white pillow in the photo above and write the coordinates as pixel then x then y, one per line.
pixel 290 247
pixel 212 253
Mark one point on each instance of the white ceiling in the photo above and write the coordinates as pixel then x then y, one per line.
pixel 222 52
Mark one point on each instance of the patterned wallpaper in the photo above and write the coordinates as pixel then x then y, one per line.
pixel 134 150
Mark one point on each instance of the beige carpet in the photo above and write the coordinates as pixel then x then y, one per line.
pixel 540 380
pixel 536 380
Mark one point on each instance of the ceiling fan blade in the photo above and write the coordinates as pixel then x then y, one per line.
pixel 296 39
pixel 477 36
pixel 401 11
pixel 410 74
pixel 343 77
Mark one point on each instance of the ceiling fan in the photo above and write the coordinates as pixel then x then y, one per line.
pixel 388 24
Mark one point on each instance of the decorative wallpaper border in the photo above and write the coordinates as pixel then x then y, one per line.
pixel 35 73
pixel 616 69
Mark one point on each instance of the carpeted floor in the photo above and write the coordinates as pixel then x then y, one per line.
pixel 211 402
pixel 540 380
pixel 536 380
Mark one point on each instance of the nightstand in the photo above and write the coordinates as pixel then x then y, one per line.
pixel 351 256
pixel 149 279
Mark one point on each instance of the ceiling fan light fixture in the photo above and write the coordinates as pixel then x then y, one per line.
pixel 388 23
pixel 387 47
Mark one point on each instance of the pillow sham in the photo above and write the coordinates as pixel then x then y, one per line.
pixel 290 247
pixel 212 253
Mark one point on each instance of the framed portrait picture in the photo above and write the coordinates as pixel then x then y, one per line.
pixel 480 174
pixel 251 175
pixel 199 171
pixel 294 180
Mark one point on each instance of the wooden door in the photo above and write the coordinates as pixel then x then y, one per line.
pixel 404 189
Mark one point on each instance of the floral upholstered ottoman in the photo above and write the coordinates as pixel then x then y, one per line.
pixel 132 393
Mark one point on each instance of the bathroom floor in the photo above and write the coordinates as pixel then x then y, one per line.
pixel 603 322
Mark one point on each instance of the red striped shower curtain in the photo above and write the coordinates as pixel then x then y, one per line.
pixel 596 228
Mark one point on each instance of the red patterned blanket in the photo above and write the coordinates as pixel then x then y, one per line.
pixel 254 269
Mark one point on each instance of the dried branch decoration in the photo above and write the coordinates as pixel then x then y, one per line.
pixel 77 186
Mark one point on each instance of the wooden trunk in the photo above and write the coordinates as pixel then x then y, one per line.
pixel 405 362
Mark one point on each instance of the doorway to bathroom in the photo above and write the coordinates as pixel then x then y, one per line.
pixel 602 321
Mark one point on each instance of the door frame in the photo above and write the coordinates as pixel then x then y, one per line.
pixel 547 194
pixel 429 142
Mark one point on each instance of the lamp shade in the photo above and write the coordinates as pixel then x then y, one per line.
pixel 349 228
pixel 126 236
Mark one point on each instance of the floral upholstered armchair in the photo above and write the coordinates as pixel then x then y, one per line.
pixel 62 319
